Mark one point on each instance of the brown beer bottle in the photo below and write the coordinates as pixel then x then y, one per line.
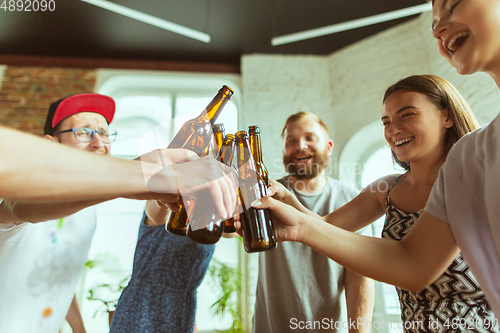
pixel 195 135
pixel 219 132
pixel 227 159
pixel 256 146
pixel 257 228
pixel 206 226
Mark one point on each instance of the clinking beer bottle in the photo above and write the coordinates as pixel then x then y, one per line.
pixel 195 135
pixel 206 226
pixel 255 145
pixel 227 159
pixel 257 228
pixel 219 132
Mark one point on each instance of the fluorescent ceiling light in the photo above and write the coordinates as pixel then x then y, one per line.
pixel 363 22
pixel 149 19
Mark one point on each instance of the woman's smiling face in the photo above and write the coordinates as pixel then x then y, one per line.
pixel 413 127
pixel 468 34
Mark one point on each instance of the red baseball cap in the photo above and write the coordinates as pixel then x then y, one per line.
pixel 68 106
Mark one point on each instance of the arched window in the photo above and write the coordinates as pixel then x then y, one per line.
pixel 365 158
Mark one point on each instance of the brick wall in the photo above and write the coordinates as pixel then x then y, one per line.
pixel 346 88
pixel 27 92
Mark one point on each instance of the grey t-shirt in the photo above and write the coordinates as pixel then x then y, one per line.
pixel 296 284
pixel 466 195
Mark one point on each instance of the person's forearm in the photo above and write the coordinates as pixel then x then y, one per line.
pixel 411 264
pixel 361 211
pixel 74 317
pixel 360 299
pixel 155 214
pixel 14 212
pixel 35 169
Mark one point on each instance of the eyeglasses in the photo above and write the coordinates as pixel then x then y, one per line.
pixel 83 134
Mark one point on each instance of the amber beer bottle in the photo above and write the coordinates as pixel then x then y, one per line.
pixel 257 228
pixel 227 159
pixel 206 226
pixel 195 135
pixel 256 146
pixel 219 132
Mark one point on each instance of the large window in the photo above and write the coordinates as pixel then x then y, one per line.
pixel 146 101
pixel 380 164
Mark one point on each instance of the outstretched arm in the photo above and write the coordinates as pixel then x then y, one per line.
pixel 81 179
pixel 51 172
pixel 412 263
pixel 74 317
pixel 365 208
pixel 13 212
pixel 38 170
pixel 361 211
pixel 360 299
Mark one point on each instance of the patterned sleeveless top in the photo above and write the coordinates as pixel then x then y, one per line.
pixel 453 303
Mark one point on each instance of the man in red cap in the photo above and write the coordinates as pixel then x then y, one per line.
pixel 40 263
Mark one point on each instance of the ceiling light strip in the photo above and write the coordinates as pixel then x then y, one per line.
pixel 149 19
pixel 359 23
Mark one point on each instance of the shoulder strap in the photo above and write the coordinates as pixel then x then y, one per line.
pixel 387 199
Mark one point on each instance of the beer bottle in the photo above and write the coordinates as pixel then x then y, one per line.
pixel 227 159
pixel 257 228
pixel 255 145
pixel 195 135
pixel 206 226
pixel 219 132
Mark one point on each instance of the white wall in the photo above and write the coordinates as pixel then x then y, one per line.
pixel 345 88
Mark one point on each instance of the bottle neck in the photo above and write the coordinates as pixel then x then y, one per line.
pixel 257 155
pixel 245 161
pixel 256 147
pixel 215 107
pixel 226 152
pixel 218 137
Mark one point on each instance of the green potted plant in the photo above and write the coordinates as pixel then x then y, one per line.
pixel 109 292
pixel 227 283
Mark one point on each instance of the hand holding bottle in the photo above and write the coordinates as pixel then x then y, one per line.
pixel 209 174
pixel 201 174
pixel 287 221
pixel 277 190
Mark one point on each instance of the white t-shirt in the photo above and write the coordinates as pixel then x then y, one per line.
pixel 40 265
pixel 467 196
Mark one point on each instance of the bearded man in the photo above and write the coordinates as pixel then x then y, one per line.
pixel 299 288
